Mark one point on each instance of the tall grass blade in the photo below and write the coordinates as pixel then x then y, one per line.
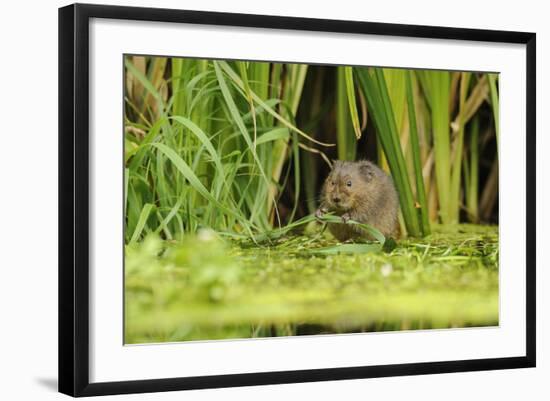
pixel 495 103
pixel 346 139
pixel 144 215
pixel 352 102
pixel 143 80
pixel 164 223
pixel 472 187
pixel 375 91
pixel 415 148
pixel 438 86
pixel 126 179
pixel 456 173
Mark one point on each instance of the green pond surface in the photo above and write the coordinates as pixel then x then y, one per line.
pixel 204 287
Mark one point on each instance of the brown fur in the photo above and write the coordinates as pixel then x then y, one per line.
pixel 371 199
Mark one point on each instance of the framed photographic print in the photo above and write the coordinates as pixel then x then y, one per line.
pixel 250 199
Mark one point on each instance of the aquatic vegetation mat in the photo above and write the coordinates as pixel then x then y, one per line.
pixel 205 286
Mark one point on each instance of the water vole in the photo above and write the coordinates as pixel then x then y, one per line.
pixel 360 191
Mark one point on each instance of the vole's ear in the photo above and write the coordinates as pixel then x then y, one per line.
pixel 366 170
pixel 336 163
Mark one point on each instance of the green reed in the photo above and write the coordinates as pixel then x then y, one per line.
pixel 238 146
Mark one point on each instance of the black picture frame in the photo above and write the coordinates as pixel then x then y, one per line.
pixel 74 198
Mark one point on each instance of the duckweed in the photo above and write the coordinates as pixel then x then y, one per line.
pixel 204 287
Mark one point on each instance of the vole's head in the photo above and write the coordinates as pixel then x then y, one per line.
pixel 347 184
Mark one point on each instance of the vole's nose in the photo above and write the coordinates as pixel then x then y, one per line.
pixel 336 199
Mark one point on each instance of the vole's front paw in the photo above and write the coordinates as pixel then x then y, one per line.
pixel 345 218
pixel 320 212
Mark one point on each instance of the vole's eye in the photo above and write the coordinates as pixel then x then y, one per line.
pixel 348 183
pixel 333 183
